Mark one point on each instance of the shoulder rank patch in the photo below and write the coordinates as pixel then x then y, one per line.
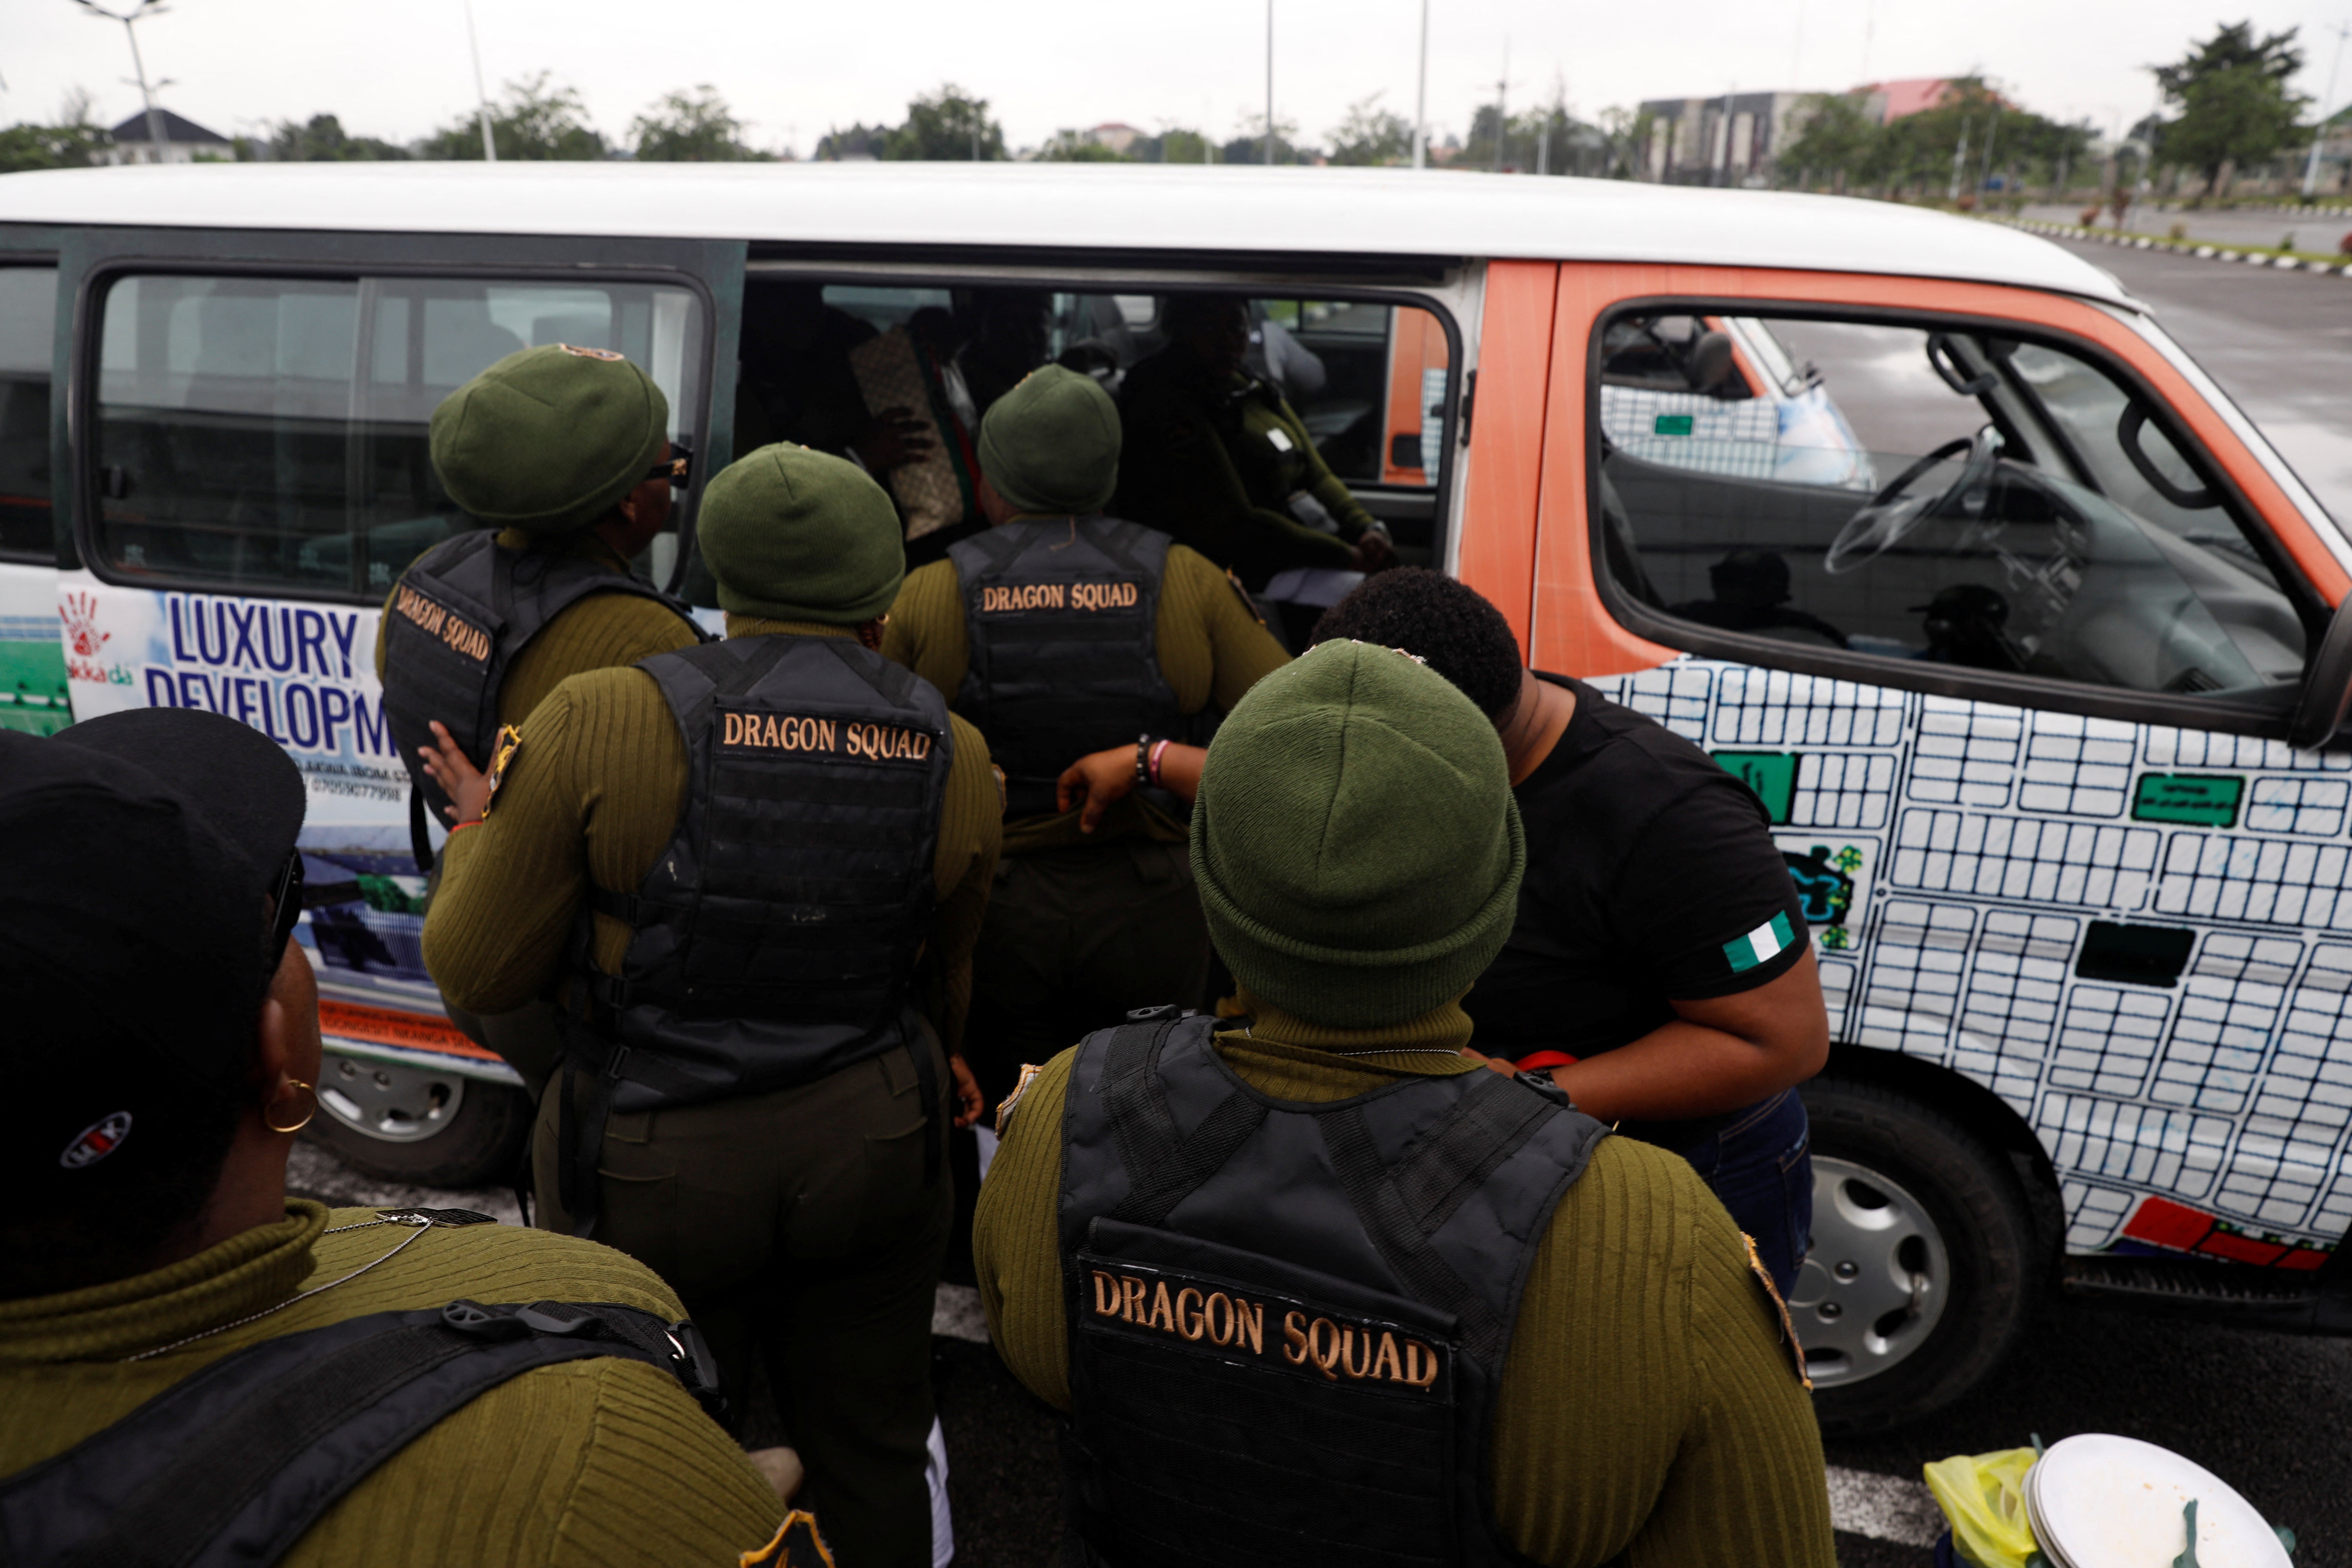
pixel 1243 595
pixel 1787 1324
pixel 1029 1071
pixel 797 1545
pixel 502 751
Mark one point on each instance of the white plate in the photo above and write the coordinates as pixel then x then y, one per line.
pixel 2102 1501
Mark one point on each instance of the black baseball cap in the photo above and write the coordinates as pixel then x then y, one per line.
pixel 138 855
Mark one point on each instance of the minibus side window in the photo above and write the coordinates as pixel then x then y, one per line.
pixel 1366 380
pixel 269 435
pixel 1948 497
pixel 28 306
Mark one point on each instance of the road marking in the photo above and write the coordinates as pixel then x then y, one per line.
pixel 1884 1508
pixel 955 1313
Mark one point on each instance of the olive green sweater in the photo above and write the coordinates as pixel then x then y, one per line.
pixel 594 793
pixel 602 631
pixel 586 1462
pixel 1211 646
pixel 1650 1406
pixel 1215 465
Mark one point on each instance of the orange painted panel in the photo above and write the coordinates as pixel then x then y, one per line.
pixel 1416 343
pixel 1506 436
pixel 384 1026
pixel 1574 632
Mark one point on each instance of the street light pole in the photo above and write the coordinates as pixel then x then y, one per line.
pixel 2319 132
pixel 481 99
pixel 156 138
pixel 1269 83
pixel 1421 98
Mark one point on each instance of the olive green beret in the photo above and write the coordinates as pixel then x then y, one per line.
pixel 797 535
pixel 550 439
pixel 1051 443
pixel 1355 842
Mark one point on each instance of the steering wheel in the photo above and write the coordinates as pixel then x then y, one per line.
pixel 1890 516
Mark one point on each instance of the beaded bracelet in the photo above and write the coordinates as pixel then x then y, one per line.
pixel 1142 760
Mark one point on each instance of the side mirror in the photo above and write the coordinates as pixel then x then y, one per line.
pixel 2326 698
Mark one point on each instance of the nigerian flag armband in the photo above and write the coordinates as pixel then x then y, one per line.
pixel 1760 945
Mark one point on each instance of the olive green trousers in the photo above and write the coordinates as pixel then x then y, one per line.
pixel 800 1225
pixel 1073 939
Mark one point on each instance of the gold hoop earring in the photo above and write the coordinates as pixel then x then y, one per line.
pixel 293 1083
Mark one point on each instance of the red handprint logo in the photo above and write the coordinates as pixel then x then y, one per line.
pixel 79 613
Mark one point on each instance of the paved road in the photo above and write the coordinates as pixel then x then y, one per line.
pixel 2312 231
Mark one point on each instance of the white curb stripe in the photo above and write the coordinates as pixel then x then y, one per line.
pixel 1883 1508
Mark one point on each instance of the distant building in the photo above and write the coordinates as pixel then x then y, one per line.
pixel 1732 140
pixel 1914 95
pixel 1113 135
pixel 185 141
pixel 1728 140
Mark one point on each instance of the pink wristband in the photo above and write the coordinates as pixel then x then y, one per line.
pixel 1154 766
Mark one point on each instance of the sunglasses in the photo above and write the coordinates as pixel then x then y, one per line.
pixel 678 470
pixel 285 908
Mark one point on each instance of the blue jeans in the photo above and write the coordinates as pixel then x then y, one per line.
pixel 1760 1165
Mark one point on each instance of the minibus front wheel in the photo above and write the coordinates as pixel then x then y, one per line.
pixel 419 1125
pixel 1924 1265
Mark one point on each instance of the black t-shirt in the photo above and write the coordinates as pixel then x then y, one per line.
pixel 1652 873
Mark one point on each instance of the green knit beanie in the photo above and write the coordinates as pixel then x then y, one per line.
pixel 1356 844
pixel 1051 443
pixel 797 535
pixel 550 439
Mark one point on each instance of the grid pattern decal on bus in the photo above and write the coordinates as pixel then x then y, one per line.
pixel 2109 925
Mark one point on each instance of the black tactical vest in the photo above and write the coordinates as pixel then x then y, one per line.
pixel 458 617
pixel 774 941
pixel 1289 1319
pixel 1062 619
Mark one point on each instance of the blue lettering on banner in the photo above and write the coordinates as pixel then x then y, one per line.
pixel 277 668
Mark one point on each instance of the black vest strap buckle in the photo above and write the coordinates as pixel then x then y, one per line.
pixel 689 1355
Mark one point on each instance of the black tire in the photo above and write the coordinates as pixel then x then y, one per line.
pixel 481 1145
pixel 1976 1267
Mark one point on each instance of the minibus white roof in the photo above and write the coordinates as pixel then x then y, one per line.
pixel 1288 211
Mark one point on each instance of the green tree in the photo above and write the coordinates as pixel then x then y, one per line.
pixel 1622 133
pixel 693 128
pixel 531 121
pixel 2233 99
pixel 1248 145
pixel 860 141
pixel 947 126
pixel 1372 135
pixel 1179 146
pixel 1836 140
pixel 1071 147
pixel 73 143
pixel 319 140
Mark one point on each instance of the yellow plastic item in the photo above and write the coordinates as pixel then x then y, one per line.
pixel 1983 1496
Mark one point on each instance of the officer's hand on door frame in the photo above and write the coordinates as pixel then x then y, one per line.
pixel 968 1101
pixel 449 766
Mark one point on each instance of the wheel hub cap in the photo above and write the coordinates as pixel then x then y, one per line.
pixel 1876 1279
pixel 399 1105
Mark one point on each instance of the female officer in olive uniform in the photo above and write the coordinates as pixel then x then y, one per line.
pixel 1222 462
pixel 756 870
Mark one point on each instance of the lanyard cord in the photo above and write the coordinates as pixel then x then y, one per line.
pixel 422 1226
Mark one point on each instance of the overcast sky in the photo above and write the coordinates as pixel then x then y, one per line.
pixel 398 69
